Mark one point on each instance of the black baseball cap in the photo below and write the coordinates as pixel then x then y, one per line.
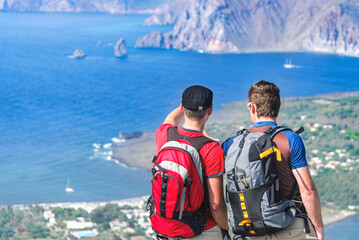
pixel 197 98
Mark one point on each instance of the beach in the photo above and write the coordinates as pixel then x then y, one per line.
pixel 333 214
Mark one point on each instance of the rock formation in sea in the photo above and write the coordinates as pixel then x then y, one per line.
pixel 218 26
pixel 79 53
pixel 112 6
pixel 120 48
pixel 5 6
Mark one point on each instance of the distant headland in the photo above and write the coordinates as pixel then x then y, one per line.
pixel 229 26
pixel 137 149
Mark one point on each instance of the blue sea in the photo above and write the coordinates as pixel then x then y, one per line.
pixel 58 114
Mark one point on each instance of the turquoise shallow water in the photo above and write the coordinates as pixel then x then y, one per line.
pixel 56 110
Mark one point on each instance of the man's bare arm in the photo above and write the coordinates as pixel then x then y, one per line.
pixel 217 205
pixel 310 198
pixel 175 117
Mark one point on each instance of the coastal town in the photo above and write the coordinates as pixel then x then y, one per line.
pixel 124 219
pixel 130 221
pixel 334 160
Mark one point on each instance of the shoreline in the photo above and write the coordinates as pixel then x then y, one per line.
pixel 331 215
pixel 129 201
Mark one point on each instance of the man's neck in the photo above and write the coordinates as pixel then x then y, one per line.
pixel 265 119
pixel 193 125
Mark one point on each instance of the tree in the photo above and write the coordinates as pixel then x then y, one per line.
pixel 59 212
pixel 4 217
pixel 6 232
pixel 37 230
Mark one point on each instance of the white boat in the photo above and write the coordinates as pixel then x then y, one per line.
pixel 288 64
pixel 68 188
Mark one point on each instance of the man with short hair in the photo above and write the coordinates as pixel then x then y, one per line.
pixel 196 107
pixel 264 104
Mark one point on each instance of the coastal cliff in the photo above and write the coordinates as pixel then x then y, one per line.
pixel 112 6
pixel 230 26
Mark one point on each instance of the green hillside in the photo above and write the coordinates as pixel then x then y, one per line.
pixel 331 138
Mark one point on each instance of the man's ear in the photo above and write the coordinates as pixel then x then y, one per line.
pixel 182 111
pixel 210 110
pixel 253 109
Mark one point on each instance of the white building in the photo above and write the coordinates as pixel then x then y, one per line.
pixel 79 224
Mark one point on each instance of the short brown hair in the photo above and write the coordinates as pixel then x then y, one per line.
pixel 265 96
pixel 195 115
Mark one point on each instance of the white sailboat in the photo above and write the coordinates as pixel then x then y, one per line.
pixel 288 64
pixel 68 188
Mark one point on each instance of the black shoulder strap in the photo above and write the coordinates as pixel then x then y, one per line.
pixel 272 132
pixel 196 142
pixel 300 130
pixel 240 132
pixel 292 191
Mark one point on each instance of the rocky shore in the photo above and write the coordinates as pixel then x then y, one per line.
pixel 229 26
pixel 110 6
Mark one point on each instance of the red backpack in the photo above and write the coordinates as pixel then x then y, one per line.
pixel 178 202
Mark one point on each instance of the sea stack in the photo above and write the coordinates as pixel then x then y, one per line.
pixel 78 53
pixel 120 48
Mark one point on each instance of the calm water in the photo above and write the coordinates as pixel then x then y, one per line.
pixel 346 230
pixel 55 110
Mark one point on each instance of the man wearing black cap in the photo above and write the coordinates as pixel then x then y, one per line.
pixel 196 107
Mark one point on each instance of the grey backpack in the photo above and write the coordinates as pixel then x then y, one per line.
pixel 252 189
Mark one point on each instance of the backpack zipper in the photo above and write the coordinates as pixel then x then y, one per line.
pixel 270 214
pixel 179 188
pixel 189 183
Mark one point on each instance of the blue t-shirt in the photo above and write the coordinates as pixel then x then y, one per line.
pixel 297 149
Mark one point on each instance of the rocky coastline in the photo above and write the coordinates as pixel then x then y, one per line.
pixel 228 26
pixel 109 6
